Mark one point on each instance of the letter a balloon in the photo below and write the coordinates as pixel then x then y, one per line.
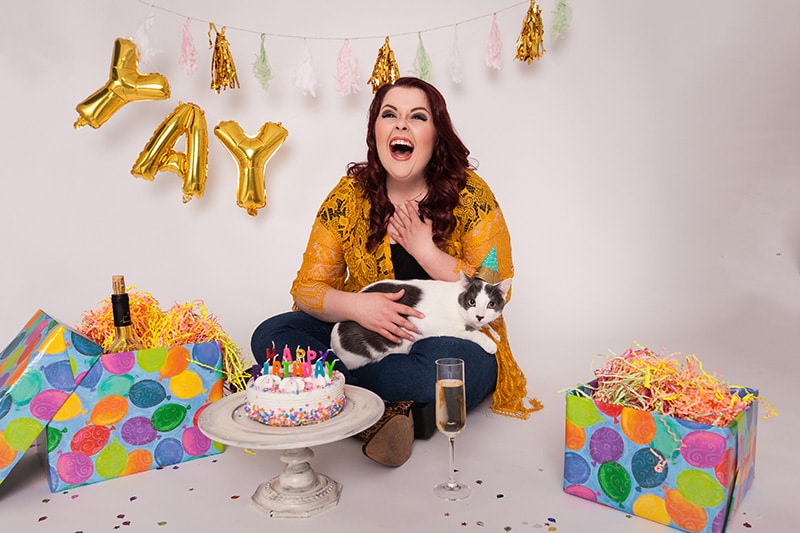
pixel 159 154
pixel 125 84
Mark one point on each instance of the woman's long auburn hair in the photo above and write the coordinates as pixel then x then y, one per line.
pixel 445 174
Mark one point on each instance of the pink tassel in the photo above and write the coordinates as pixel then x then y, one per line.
pixel 188 57
pixel 305 79
pixel 494 47
pixel 347 79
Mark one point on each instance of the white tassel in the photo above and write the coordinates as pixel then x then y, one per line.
pixel 305 80
pixel 456 67
pixel 145 42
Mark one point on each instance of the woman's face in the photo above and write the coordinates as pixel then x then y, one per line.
pixel 405 134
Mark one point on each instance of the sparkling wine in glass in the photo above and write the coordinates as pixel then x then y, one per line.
pixel 451 417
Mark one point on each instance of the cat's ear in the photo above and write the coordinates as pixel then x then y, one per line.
pixel 463 278
pixel 504 287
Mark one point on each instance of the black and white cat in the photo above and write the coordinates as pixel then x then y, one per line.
pixel 453 309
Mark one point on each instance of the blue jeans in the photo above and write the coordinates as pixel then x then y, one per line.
pixel 396 377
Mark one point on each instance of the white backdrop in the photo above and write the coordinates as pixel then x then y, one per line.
pixel 647 165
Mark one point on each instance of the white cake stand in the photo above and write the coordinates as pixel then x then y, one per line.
pixel 298 491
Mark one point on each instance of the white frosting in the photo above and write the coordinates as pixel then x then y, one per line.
pixel 292 385
pixel 294 401
pixel 267 381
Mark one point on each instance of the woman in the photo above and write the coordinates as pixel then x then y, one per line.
pixel 414 209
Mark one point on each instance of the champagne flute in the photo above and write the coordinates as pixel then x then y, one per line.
pixel 451 417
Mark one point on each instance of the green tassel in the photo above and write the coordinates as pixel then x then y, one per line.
pixel 562 16
pixel 422 62
pixel 261 68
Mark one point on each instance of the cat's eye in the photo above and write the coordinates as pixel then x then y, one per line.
pixel 491 305
pixel 471 302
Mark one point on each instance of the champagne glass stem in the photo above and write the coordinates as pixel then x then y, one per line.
pixel 451 481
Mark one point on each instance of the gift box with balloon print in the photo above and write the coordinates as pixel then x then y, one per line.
pixel 681 473
pixel 133 412
pixel 38 370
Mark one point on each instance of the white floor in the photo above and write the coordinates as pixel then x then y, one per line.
pixel 514 467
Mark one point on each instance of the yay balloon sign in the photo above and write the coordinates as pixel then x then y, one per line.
pixel 251 154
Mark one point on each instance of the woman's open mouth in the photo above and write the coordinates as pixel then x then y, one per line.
pixel 401 148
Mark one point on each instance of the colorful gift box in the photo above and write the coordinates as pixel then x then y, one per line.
pixel 684 474
pixel 133 412
pixel 38 371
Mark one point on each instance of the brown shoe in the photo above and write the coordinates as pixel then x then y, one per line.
pixel 390 439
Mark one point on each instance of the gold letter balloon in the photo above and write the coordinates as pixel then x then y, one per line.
pixel 159 154
pixel 125 84
pixel 251 154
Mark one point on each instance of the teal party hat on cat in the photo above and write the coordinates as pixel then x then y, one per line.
pixel 488 271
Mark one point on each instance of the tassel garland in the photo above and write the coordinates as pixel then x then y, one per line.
pixel 529 47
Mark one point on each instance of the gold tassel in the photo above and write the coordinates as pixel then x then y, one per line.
pixel 223 71
pixel 386 69
pixel 530 44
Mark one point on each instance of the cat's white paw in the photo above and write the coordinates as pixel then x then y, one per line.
pixel 488 345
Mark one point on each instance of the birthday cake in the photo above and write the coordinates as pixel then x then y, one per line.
pixel 295 392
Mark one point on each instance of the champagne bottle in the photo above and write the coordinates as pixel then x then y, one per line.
pixel 126 340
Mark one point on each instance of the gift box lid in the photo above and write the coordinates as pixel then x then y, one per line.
pixel 39 369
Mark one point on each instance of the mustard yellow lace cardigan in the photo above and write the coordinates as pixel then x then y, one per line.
pixel 337 257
